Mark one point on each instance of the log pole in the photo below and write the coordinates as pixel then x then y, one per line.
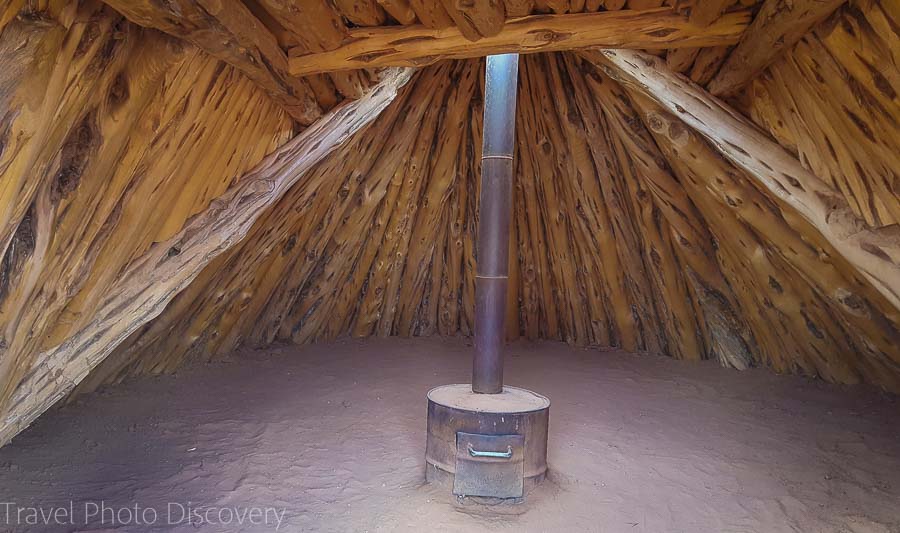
pixel 492 275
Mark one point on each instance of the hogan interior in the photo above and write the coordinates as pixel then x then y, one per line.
pixel 194 181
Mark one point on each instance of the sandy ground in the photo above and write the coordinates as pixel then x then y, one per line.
pixel 333 437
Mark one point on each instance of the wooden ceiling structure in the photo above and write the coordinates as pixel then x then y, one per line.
pixel 308 55
pixel 696 178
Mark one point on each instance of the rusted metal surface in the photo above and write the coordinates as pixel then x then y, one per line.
pixel 495 204
pixel 487 366
pixel 514 412
pixel 489 465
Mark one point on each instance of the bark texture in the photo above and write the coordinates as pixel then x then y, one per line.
pixel 630 230
pixel 648 221
pixel 106 128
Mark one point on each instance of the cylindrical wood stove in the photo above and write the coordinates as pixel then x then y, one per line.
pixel 484 439
pixel 488 445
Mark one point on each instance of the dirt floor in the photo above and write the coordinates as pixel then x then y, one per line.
pixel 331 438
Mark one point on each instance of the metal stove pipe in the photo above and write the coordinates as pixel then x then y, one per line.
pixel 492 271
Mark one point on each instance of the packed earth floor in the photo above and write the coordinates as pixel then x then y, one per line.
pixel 331 437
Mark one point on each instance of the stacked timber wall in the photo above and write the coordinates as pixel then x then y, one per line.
pixel 625 236
pixel 630 229
pixel 834 102
pixel 112 137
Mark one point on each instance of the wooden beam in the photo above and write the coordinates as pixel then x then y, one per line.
pixel 227 30
pixel 150 282
pixel 359 12
pixel 476 18
pixel 9 10
pixel 785 274
pixel 707 63
pixel 431 13
pixel 518 8
pixel 776 28
pixel 318 27
pixel 704 12
pixel 718 313
pixel 875 253
pixel 400 10
pixel 419 45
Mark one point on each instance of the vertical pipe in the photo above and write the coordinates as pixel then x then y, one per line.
pixel 492 271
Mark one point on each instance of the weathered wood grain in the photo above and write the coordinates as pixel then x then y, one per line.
pixel 630 227
pixel 431 13
pixel 317 26
pixel 708 61
pixel 150 282
pixel 226 29
pixel 718 267
pixel 781 258
pixel 477 18
pixel 777 26
pixel 874 252
pixel 361 12
pixel 720 332
pixel 421 45
pixel 401 10
pixel 833 101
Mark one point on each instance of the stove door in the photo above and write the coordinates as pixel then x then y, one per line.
pixel 489 465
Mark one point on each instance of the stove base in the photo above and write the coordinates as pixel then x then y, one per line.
pixel 486 445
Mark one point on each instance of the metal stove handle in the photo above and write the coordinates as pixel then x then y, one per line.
pixel 502 455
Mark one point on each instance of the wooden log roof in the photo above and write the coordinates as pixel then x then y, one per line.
pixel 700 179
pixel 308 55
